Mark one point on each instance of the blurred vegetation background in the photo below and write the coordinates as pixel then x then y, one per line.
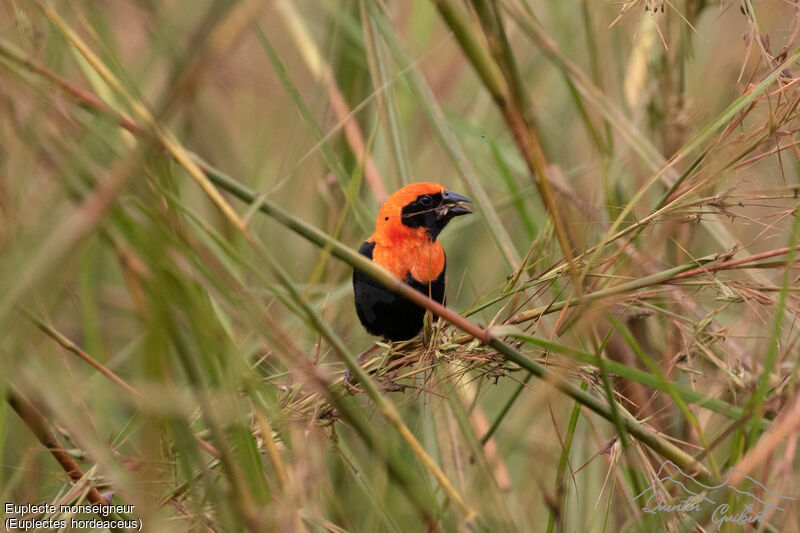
pixel 176 182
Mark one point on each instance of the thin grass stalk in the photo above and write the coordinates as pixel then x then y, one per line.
pixel 636 429
pixel 608 388
pixel 244 501
pixel 223 27
pixel 321 70
pixel 448 139
pixel 39 426
pixel 785 426
pixel 622 288
pixel 643 378
pixel 616 410
pixel 670 276
pixel 378 68
pixel 327 152
pixel 502 81
pixel 73 348
pixel 478 456
pixel 352 191
pixel 666 385
pixel 515 194
pixel 566 447
pixel 594 65
pixel 505 409
pixel 756 401
pixel 73 230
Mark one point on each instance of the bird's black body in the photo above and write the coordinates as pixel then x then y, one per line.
pixel 386 313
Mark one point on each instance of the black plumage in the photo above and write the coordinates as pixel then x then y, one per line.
pixel 386 313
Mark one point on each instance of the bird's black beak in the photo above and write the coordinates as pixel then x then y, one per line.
pixel 452 205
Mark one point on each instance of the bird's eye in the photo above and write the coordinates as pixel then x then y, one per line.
pixel 425 200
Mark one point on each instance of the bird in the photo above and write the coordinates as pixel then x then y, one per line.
pixel 405 243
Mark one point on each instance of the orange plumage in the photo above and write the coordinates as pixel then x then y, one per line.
pixel 401 249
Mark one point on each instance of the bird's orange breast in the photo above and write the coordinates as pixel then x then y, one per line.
pixel 411 253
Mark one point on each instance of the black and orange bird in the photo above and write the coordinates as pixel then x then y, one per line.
pixel 405 244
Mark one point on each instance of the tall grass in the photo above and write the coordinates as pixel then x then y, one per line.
pixel 183 186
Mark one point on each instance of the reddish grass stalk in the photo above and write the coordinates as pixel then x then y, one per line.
pixel 38 425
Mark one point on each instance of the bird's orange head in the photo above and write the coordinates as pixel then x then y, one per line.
pixel 418 211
